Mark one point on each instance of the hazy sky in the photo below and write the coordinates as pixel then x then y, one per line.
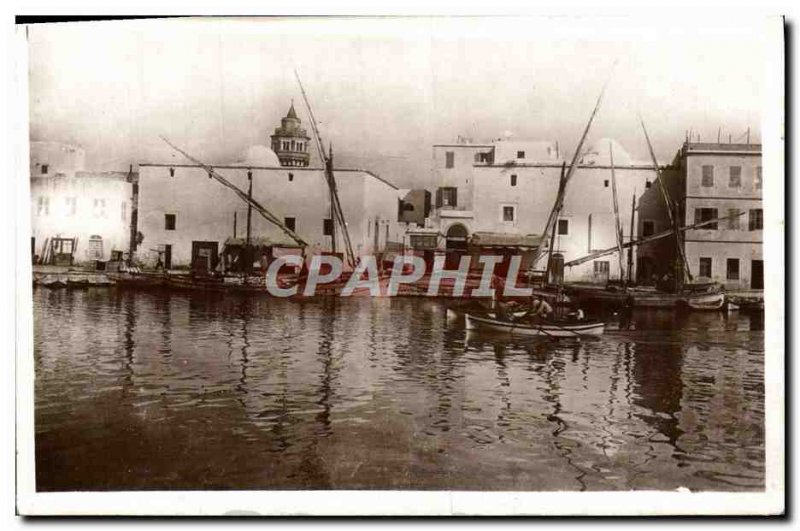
pixel 385 90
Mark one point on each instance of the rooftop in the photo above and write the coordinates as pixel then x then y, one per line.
pixel 718 147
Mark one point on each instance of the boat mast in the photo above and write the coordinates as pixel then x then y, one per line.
pixel 551 220
pixel 616 212
pixel 337 215
pixel 553 230
pixel 668 203
pixel 630 249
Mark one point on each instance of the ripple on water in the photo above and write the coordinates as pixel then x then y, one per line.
pixel 145 390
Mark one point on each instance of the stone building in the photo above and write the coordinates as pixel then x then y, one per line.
pixel 706 181
pixel 184 213
pixel 486 192
pixel 85 214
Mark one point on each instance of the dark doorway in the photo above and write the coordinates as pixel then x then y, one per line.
pixel 644 270
pixel 168 257
pixel 757 274
pixel 204 256
pixel 456 245
pixel 457 238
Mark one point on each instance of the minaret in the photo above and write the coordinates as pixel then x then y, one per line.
pixel 290 141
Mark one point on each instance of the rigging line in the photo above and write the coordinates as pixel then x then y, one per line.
pixel 573 165
pixel 255 204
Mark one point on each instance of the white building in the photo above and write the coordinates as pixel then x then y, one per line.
pixel 86 214
pixel 183 212
pixel 509 188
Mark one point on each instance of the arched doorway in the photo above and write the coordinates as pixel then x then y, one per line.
pixel 455 244
pixel 456 238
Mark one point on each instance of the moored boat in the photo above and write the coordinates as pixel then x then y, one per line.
pixel 707 301
pixel 650 297
pixel 458 312
pixel 543 328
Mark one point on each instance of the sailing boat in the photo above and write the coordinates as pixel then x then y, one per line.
pixel 556 325
pixel 692 295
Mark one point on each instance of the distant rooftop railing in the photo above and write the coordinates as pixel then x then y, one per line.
pixel 718 146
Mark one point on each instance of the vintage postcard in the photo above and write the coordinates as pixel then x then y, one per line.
pixel 412 266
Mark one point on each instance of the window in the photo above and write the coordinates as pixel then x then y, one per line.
pixel 45 167
pixel 520 154
pixel 605 183
pixel 99 208
pixel 706 214
pixel 447 196
pixel 327 226
pixel 648 184
pixel 708 176
pixel 758 178
pixel 72 206
pixel 756 221
pixel 289 222
pixel 733 269
pixel 735 177
pixel 291 177
pixel 733 219
pixel 648 227
pixel 513 179
pixel 123 210
pixel 601 267
pixel 484 158
pixel 43 206
pixel 563 226
pixel 169 221
pixel 705 267
pixel 172 172
pixel 449 159
pixel 509 213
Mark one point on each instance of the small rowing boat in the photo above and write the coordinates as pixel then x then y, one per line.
pixel 536 327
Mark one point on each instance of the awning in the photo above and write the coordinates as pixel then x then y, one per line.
pixel 503 239
pixel 264 241
pixel 423 231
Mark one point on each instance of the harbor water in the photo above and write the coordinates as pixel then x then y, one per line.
pixel 147 390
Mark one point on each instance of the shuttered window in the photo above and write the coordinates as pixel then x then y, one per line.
pixel 735 180
pixel 705 267
pixel 705 214
pixel 733 221
pixel 733 269
pixel 446 196
pixel 708 176
pixel 756 219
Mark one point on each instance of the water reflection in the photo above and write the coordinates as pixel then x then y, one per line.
pixel 145 390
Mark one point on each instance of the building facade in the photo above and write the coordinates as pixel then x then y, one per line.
pixel 90 212
pixel 509 188
pixel 183 212
pixel 711 180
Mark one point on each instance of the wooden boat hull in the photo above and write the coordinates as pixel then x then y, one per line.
pixel 707 301
pixel 698 300
pixel 544 329
pixel 454 314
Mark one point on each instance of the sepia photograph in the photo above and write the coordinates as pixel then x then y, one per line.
pixel 476 265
